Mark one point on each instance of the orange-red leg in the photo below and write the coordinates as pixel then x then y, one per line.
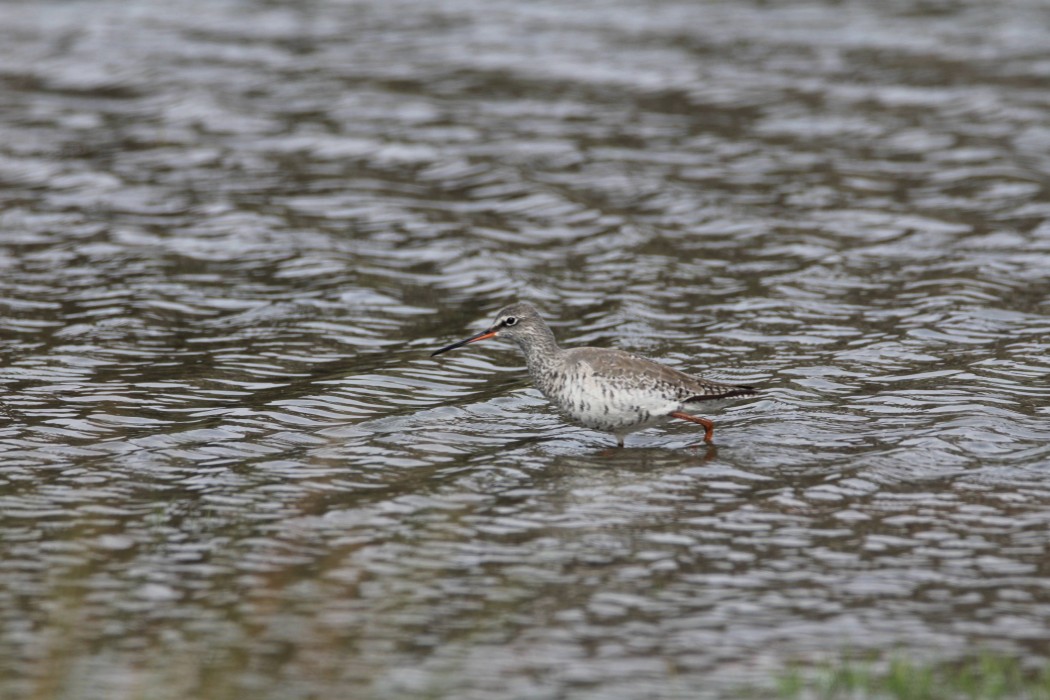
pixel 709 427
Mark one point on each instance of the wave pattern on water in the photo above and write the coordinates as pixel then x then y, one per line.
pixel 232 232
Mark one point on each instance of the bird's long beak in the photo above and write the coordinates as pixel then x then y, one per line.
pixel 490 333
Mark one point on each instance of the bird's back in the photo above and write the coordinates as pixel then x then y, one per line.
pixel 623 369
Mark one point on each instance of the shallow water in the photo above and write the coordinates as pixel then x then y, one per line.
pixel 231 232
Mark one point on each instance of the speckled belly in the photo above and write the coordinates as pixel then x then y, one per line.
pixel 597 404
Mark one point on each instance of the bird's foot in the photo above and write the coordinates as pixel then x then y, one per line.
pixel 709 427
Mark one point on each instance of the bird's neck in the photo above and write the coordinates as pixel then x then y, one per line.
pixel 540 349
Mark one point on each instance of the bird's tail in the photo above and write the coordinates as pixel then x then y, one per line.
pixel 724 391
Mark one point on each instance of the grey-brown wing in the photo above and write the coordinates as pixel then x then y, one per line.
pixel 621 368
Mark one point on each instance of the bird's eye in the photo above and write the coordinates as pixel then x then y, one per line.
pixel 510 321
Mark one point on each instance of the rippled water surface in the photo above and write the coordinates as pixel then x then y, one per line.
pixel 232 231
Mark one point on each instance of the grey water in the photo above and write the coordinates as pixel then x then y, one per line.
pixel 231 231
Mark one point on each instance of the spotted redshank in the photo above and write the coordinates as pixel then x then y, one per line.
pixel 600 388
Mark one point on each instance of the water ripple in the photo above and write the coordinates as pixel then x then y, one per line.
pixel 231 234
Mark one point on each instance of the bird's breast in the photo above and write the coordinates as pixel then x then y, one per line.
pixel 600 403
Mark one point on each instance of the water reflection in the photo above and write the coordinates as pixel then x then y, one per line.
pixel 230 233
